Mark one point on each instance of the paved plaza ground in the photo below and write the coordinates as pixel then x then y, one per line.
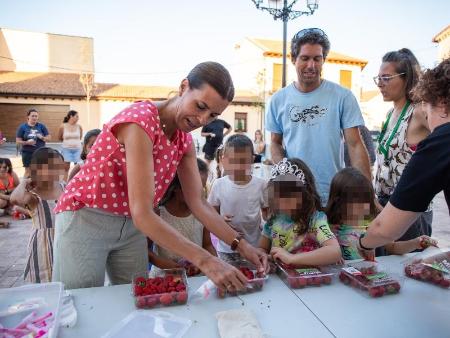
pixel 13 241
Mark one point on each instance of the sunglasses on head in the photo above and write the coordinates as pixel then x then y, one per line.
pixel 308 31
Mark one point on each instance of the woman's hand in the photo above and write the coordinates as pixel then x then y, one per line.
pixel 281 255
pixel 257 256
pixel 424 242
pixel 368 255
pixel 223 275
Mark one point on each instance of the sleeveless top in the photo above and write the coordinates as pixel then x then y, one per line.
pixel 101 182
pixel 189 227
pixel 71 136
pixel 38 268
pixel 10 186
pixel 389 170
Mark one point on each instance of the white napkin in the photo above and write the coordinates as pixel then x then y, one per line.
pixel 238 324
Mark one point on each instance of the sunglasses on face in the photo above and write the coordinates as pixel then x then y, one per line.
pixel 385 78
pixel 307 31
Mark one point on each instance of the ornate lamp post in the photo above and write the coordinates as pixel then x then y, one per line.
pixel 285 13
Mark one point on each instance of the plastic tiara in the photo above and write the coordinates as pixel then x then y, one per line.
pixel 284 167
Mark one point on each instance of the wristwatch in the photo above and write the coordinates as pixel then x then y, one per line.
pixel 235 242
pixel 360 244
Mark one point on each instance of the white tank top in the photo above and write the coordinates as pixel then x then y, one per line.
pixel 71 136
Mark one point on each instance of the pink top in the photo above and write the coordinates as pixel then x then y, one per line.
pixel 101 183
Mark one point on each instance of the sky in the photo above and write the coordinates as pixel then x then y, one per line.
pixel 158 42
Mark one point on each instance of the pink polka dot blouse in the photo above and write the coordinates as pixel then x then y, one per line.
pixel 102 181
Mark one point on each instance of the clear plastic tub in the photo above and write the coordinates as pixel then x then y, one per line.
pixel 434 268
pixel 255 283
pixel 145 324
pixel 160 288
pixel 297 278
pixel 18 303
pixel 370 278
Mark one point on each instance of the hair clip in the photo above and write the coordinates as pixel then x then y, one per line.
pixel 284 167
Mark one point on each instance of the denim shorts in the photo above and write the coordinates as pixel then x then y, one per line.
pixel 26 158
pixel 71 154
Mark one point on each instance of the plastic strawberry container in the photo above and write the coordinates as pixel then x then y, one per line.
pixel 254 283
pixel 433 269
pixel 370 278
pixel 298 278
pixel 160 288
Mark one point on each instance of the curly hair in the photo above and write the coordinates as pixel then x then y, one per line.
pixel 434 85
pixel 313 36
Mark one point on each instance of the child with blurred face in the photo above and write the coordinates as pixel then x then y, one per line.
pixel 297 232
pixel 39 195
pixel 239 197
pixel 351 208
pixel 175 211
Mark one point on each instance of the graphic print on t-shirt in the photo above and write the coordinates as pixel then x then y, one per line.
pixel 307 116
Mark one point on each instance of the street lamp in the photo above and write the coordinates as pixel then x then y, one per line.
pixel 285 13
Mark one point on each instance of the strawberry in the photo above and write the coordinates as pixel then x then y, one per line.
pixel 293 283
pixel 181 297
pixel 302 282
pixel 344 278
pixel 326 279
pixel 373 292
pixel 445 283
pixel 152 301
pixel 140 302
pixel 140 281
pixel 180 287
pixel 166 299
pixel 138 290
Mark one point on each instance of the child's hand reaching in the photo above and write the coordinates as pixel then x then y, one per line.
pixel 424 242
pixel 281 255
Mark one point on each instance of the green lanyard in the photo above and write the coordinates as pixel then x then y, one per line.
pixel 383 148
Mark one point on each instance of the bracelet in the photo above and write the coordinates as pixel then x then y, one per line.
pixel 234 244
pixel 360 244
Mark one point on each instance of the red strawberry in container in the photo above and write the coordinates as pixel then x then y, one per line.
pixel 445 283
pixel 166 299
pixel 293 282
pixel 141 281
pixel 138 290
pixel 152 301
pixel 140 302
pixel 182 297
pixel 326 280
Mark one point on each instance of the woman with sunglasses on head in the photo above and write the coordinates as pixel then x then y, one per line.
pixel 404 128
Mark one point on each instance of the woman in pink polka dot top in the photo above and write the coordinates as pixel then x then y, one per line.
pixel 106 211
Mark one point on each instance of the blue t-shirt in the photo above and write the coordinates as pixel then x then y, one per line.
pixel 312 126
pixel 27 132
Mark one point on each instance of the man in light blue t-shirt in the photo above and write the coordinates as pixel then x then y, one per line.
pixel 312 116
